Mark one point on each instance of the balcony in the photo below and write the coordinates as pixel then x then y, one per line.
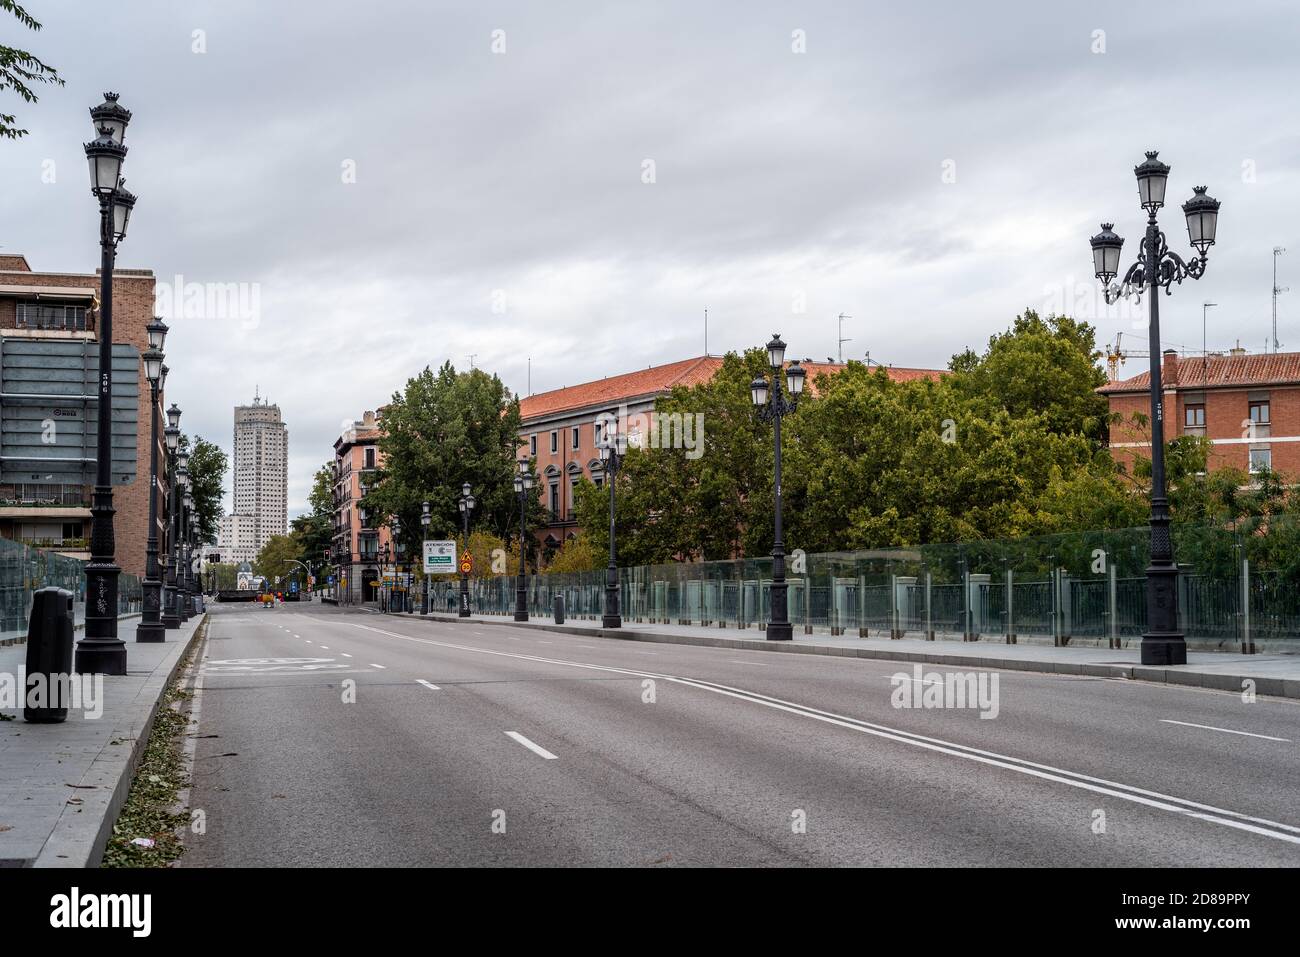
pixel 45 495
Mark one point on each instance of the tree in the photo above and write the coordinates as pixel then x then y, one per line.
pixel 445 429
pixel 577 555
pixel 314 531
pixel 20 70
pixel 275 560
pixel 207 468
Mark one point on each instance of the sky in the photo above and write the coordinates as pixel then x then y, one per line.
pixel 557 192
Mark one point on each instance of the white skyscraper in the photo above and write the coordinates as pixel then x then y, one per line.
pixel 261 470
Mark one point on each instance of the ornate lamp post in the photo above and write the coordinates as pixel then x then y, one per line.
pixel 101 651
pixel 523 482
pixel 396 591
pixel 425 519
pixel 172 435
pixel 187 538
pixel 611 458
pixel 383 588
pixel 773 405
pixel 1156 266
pixel 466 506
pixel 151 627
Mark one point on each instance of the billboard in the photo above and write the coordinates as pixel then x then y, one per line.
pixel 440 558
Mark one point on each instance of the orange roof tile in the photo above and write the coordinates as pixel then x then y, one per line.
pixel 658 380
pixel 1279 368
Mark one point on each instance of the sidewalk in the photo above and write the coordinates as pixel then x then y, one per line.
pixel 62 785
pixel 1273 674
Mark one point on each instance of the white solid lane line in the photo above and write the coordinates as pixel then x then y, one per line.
pixel 428 684
pixel 535 748
pixel 1210 727
pixel 756 664
pixel 1289 833
pixel 380 667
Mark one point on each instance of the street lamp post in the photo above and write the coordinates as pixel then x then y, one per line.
pixel 151 627
pixel 172 435
pixel 611 458
pixel 466 506
pixel 523 482
pixel 383 586
pixel 1162 642
pixel 773 405
pixel 425 519
pixel 186 591
pixel 101 651
pixel 396 593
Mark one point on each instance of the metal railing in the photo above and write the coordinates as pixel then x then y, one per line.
pixel 24 569
pixel 1087 587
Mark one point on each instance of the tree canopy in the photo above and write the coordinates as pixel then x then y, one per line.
pixel 20 71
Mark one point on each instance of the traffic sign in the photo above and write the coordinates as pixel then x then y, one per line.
pixel 439 558
pixel 466 563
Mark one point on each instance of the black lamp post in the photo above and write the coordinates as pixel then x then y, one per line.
pixel 1156 266
pixel 187 538
pixel 395 593
pixel 101 651
pixel 523 482
pixel 171 435
pixel 773 405
pixel 466 506
pixel 151 627
pixel 425 519
pixel 611 458
pixel 383 587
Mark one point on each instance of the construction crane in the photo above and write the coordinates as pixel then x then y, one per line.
pixel 1116 355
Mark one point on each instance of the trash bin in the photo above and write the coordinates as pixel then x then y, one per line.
pixel 49 656
pixel 558 604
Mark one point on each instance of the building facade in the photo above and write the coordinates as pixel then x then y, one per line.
pixel 261 470
pixel 48 398
pixel 560 429
pixel 359 542
pixel 1248 406
pixel 237 538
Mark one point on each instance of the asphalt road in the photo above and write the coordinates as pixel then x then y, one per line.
pixel 346 738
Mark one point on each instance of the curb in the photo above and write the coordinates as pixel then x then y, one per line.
pixel 1274 687
pixel 77 852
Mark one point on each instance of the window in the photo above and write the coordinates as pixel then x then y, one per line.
pixel 1194 416
pixel 1261 460
pixel 595 434
pixel 1259 412
pixel 370 458
pixel 555 442
pixel 555 495
pixel 532 444
pixel 40 315
pixel 574 441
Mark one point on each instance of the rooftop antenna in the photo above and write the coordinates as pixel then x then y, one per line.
pixel 1277 251
pixel 706 330
pixel 471 359
pixel 530 375
pixel 1205 352
pixel 841 318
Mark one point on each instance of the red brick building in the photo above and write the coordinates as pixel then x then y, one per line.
pixel 1247 405
pixel 560 428
pixel 37 504
pixel 359 539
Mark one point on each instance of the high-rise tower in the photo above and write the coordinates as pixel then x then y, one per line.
pixel 261 469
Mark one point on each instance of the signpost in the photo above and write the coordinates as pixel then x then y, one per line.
pixel 440 558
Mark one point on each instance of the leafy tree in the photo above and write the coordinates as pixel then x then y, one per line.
pixel 275 560
pixel 314 531
pixel 577 555
pixel 207 468
pixel 445 429
pixel 21 70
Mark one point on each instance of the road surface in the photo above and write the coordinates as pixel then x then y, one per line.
pixel 346 738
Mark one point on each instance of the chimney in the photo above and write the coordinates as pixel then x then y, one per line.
pixel 1169 369
pixel 1237 350
pixel 14 262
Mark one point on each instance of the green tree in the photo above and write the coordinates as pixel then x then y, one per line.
pixel 275 560
pixel 207 468
pixel 577 555
pixel 314 531
pixel 445 429
pixel 21 70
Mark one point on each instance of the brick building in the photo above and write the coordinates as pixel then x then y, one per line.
pixel 1247 405
pixel 357 541
pixel 48 376
pixel 560 428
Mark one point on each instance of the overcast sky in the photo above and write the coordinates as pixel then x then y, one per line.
pixel 397 193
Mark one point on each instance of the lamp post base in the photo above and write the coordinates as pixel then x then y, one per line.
pixel 150 631
pixel 611 621
pixel 1164 650
pixel 779 631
